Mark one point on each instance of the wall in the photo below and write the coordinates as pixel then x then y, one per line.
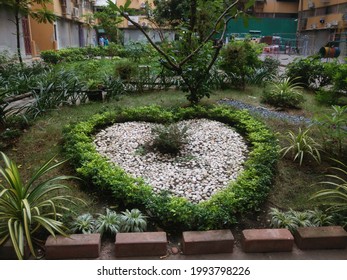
pixel 8 39
pixel 68 34
pixel 274 6
pixel 134 35
pixel 42 35
pixel 135 4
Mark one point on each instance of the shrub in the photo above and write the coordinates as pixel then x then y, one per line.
pixel 133 221
pixel 27 208
pixel 51 56
pixel 54 89
pixel 340 78
pixel 327 97
pixel 114 49
pixel 266 72
pixel 239 59
pixel 300 145
pixel 333 130
pixel 311 72
pixel 125 69
pixel 114 88
pixel 284 94
pixel 135 50
pixel 169 139
pixel 177 213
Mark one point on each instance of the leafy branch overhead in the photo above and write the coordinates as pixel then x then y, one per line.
pixel 229 13
pixel 191 58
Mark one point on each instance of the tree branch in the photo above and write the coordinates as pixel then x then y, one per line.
pixel 214 30
pixel 138 26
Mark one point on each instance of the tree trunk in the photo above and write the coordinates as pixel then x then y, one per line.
pixel 192 22
pixel 17 22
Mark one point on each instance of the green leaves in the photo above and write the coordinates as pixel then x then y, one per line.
pixel 121 9
pixel 84 223
pixel 301 144
pixel 109 223
pixel 336 195
pixel 283 93
pixel 333 130
pixel 43 15
pixel 24 208
pixel 177 213
pixel 133 221
pixel 292 219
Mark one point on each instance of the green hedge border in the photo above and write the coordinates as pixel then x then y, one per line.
pixel 171 212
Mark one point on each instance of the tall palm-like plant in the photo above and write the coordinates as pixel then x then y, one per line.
pixel 26 208
pixel 336 196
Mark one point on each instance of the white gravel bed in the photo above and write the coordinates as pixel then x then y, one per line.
pixel 212 157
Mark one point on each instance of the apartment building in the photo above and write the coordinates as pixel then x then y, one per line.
pixel 72 28
pixel 320 22
pixel 275 8
pixel 8 38
pixel 131 34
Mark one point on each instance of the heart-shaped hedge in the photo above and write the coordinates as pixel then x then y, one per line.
pixel 176 213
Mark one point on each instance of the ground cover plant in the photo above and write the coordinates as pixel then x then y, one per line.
pixel 220 211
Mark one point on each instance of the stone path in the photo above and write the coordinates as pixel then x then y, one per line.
pixel 265 112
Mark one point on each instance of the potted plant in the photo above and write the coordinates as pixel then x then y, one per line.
pixel 94 90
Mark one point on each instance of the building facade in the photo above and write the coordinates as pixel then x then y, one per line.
pixel 73 27
pixel 275 8
pixel 321 22
pixel 8 36
pixel 131 34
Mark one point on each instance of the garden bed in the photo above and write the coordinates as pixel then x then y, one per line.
pixel 246 194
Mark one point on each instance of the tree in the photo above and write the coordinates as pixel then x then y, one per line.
pixel 192 57
pixel 23 8
pixel 239 61
pixel 197 15
pixel 109 20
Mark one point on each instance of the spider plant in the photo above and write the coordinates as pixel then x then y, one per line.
pixel 335 197
pixel 300 145
pixel 284 93
pixel 27 208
